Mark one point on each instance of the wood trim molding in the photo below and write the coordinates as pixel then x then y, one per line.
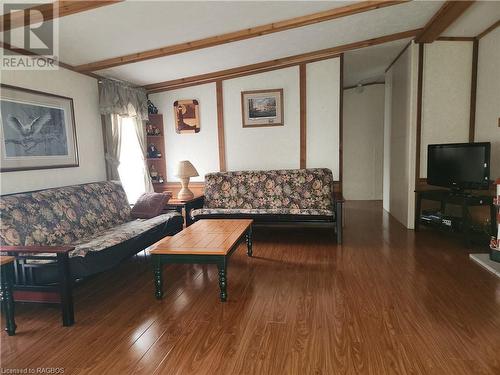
pixel 50 11
pixel 456 38
pixel 420 81
pixel 25 52
pixel 242 71
pixel 445 16
pixel 488 30
pixel 248 33
pixel 220 126
pixel 398 56
pixel 281 63
pixel 341 124
pixel 303 114
pixel 473 91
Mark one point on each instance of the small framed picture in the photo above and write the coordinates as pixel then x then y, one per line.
pixel 262 108
pixel 187 116
pixel 37 130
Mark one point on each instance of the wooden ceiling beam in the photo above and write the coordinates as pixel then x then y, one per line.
pixel 445 16
pixel 488 30
pixel 251 32
pixel 277 63
pixel 64 8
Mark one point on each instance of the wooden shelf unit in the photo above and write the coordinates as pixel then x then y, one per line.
pixel 159 141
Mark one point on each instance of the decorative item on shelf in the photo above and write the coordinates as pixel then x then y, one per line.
pixel 153 173
pixel 152 130
pixel 149 129
pixel 187 116
pixel 156 177
pixel 153 152
pixel 185 170
pixel 152 110
pixel 262 108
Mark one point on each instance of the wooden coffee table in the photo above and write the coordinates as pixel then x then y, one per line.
pixel 210 241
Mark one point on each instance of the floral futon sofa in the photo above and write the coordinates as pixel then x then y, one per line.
pixel 294 195
pixel 69 233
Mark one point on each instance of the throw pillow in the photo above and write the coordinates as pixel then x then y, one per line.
pixel 150 205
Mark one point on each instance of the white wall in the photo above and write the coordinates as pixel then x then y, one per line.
pixel 264 147
pixel 488 97
pixel 403 136
pixel 445 95
pixel 84 92
pixel 201 148
pixel 323 90
pixel 363 143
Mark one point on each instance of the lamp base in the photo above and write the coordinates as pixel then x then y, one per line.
pixel 185 194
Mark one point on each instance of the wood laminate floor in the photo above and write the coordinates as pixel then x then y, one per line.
pixel 388 301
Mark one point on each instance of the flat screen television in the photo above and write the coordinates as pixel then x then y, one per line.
pixel 459 166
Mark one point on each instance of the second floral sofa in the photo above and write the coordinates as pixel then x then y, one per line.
pixel 291 195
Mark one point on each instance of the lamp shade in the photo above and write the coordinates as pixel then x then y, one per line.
pixel 186 169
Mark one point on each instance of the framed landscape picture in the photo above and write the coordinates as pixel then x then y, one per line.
pixel 187 116
pixel 262 108
pixel 37 130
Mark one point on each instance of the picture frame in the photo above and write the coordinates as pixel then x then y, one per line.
pixel 37 130
pixel 261 108
pixel 187 116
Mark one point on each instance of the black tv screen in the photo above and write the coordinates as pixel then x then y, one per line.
pixel 459 165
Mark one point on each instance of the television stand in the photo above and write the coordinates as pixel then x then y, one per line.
pixel 459 198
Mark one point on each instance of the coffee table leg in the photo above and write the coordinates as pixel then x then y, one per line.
pixel 249 241
pixel 7 298
pixel 222 267
pixel 158 276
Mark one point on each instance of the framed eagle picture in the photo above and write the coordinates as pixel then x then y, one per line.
pixel 187 116
pixel 37 130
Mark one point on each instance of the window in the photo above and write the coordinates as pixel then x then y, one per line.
pixel 131 168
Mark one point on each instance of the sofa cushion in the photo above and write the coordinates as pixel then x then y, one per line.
pixel 62 216
pixel 277 189
pixel 113 236
pixel 150 205
pixel 119 234
pixel 256 211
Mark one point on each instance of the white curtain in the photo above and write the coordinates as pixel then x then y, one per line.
pixel 120 98
pixel 112 139
pixel 140 131
pixel 119 103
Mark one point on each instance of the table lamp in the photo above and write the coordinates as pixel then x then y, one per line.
pixel 185 170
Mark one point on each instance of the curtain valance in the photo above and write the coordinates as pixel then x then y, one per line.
pixel 117 98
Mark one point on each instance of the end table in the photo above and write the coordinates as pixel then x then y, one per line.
pixel 187 205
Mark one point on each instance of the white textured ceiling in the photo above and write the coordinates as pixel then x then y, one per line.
pixel 368 65
pixel 322 35
pixel 135 26
pixel 475 20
